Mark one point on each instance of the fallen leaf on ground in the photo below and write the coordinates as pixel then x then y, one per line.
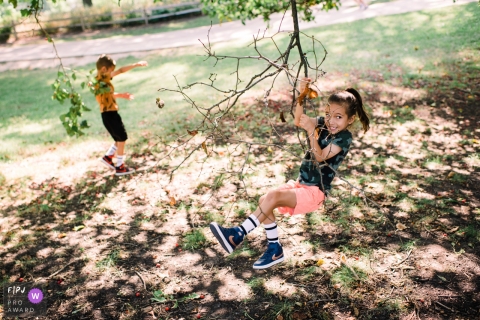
pixel 401 226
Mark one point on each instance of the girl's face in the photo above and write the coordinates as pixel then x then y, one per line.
pixel 336 118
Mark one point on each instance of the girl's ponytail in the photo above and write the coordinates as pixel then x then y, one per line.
pixel 357 106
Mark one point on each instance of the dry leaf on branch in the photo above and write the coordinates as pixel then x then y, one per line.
pixel 204 147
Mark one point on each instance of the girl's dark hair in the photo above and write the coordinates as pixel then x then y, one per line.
pixel 352 101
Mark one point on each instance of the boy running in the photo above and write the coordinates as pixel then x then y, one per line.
pixel 105 95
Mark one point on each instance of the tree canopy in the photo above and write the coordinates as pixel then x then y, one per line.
pixel 243 10
pixel 227 10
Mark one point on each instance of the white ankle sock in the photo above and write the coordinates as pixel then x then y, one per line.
pixel 111 150
pixel 119 161
pixel 249 224
pixel 272 232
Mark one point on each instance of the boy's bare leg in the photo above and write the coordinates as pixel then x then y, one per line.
pixel 120 168
pixel 120 147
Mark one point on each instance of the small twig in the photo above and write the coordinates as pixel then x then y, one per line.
pixel 58 271
pixel 351 270
pixel 141 278
pixel 441 304
pixel 408 255
pixel 391 291
pixel 322 300
pixel 428 231
pixel 403 267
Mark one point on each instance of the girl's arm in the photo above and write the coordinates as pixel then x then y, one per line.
pixel 128 68
pixel 304 89
pixel 309 124
pixel 319 153
pixel 124 95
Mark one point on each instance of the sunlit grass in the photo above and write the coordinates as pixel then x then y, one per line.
pixel 440 35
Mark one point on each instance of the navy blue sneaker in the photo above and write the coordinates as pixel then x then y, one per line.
pixel 229 238
pixel 271 257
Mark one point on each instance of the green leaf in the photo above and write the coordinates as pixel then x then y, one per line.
pixel 74 76
pixel 443 278
pixel 191 297
pixel 84 124
pixel 13 2
pixel 159 299
pixel 82 85
pixel 158 296
pixel 25 12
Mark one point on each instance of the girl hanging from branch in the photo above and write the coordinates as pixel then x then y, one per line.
pixel 329 141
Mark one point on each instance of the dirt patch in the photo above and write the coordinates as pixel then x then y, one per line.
pixel 139 247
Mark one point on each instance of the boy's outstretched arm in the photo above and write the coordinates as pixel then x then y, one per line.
pixel 124 95
pixel 128 68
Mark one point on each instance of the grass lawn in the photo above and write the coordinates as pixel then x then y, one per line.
pixel 113 245
pixel 435 43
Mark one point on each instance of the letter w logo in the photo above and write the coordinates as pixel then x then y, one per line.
pixel 35 296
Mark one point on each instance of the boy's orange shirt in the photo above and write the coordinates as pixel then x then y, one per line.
pixel 104 91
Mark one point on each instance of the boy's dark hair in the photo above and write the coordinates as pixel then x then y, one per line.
pixel 105 61
pixel 352 101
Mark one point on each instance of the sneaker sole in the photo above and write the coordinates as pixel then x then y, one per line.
pixel 118 174
pixel 221 239
pixel 107 164
pixel 271 264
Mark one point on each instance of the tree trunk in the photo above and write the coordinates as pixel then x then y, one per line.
pixel 87 3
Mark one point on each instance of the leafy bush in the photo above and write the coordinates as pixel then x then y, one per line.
pixel 7 15
pixel 5 34
pixel 132 15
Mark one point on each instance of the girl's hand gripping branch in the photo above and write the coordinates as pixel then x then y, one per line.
pixel 301 119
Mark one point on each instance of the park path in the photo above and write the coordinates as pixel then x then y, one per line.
pixel 86 51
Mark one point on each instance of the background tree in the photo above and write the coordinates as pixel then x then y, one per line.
pixel 250 9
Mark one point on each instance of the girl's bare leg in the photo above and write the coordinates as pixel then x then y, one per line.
pixel 274 199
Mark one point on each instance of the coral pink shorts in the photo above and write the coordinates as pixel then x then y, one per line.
pixel 309 198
